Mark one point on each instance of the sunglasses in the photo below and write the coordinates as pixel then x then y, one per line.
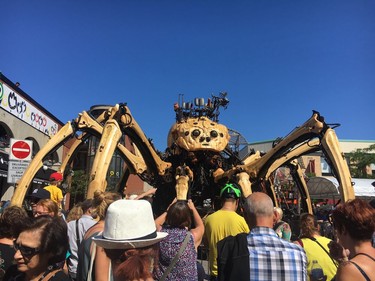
pixel 26 252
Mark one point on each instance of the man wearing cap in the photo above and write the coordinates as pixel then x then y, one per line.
pixel 56 193
pixel 36 196
pixel 223 223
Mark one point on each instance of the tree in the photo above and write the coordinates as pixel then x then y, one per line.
pixel 359 160
pixel 78 188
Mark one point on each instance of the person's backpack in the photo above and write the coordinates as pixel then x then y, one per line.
pixel 233 258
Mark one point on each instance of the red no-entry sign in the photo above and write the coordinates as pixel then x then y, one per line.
pixel 20 150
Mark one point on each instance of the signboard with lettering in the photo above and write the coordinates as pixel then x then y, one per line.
pixel 16 105
pixel 19 158
pixel 16 169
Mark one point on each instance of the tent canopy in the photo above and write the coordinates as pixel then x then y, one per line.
pixel 327 187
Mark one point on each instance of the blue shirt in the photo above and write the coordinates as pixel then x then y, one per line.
pixel 273 258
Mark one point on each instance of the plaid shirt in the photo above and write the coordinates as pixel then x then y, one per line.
pixel 272 258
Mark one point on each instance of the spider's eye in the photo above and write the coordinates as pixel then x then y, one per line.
pixel 195 133
pixel 213 134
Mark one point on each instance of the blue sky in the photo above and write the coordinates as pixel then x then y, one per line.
pixel 278 60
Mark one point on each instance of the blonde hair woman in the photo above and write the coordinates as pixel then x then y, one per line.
pixel 75 213
pixel 46 207
pixel 281 227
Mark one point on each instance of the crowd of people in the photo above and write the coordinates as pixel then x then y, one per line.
pixel 111 237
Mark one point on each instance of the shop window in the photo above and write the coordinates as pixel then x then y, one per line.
pixel 5 136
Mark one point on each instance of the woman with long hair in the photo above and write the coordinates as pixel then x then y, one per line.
pixel 177 222
pixel 316 247
pixel 133 264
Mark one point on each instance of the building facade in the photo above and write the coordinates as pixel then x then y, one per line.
pixel 315 163
pixel 23 118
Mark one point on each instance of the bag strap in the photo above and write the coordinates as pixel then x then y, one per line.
pixel 92 262
pixel 77 235
pixel 334 262
pixel 51 274
pixel 299 241
pixel 364 274
pixel 370 257
pixel 93 254
pixel 176 257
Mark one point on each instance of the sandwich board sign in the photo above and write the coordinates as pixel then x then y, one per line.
pixel 19 158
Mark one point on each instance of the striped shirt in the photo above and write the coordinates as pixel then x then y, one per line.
pixel 272 258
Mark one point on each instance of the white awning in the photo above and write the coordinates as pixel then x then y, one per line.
pixel 327 188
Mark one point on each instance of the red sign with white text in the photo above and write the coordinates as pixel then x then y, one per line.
pixel 20 150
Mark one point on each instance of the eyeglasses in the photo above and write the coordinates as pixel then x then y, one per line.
pixel 26 252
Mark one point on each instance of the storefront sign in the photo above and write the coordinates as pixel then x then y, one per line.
pixel 16 105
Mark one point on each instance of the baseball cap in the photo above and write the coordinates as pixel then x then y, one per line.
pixel 230 190
pixel 40 193
pixel 56 176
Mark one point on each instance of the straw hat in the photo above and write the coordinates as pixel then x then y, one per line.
pixel 129 224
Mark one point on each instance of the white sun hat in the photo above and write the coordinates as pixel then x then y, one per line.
pixel 129 224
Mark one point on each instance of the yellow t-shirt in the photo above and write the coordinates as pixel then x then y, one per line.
pixel 56 193
pixel 219 225
pixel 315 252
